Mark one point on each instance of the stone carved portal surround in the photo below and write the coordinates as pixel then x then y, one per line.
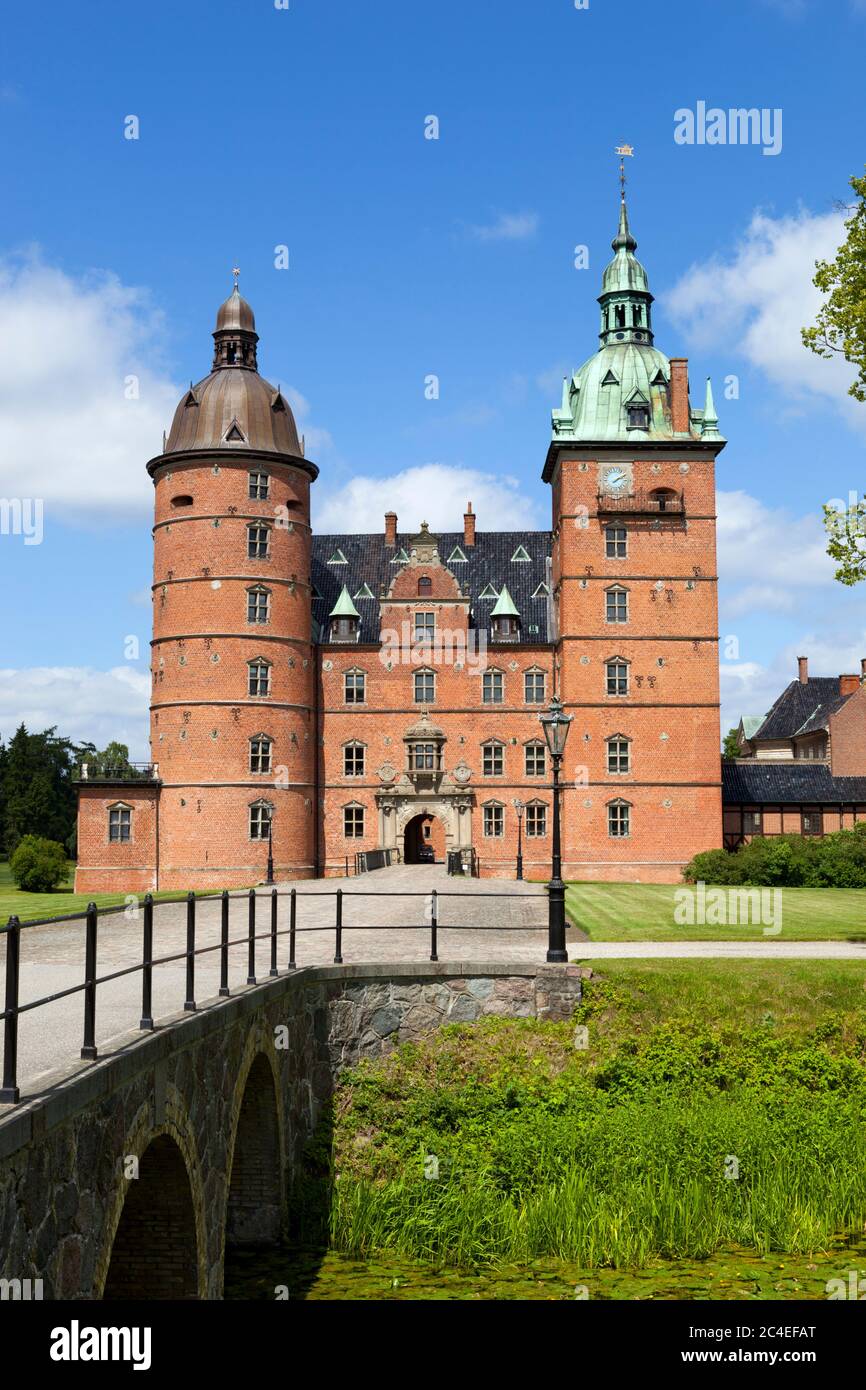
pixel 398 808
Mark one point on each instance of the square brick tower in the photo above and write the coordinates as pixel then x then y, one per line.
pixel 631 466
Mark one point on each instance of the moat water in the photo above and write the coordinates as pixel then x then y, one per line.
pixel 728 1275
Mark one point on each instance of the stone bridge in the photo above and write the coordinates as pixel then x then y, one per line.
pixel 130 1177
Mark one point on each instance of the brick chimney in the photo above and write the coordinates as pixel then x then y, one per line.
pixel 680 395
pixel 848 684
pixel 390 528
pixel 468 525
pixel 803 669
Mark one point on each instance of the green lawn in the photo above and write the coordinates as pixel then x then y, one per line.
pixel 629 997
pixel 645 912
pixel 27 906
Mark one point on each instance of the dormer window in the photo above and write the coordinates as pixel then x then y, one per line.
pixel 638 417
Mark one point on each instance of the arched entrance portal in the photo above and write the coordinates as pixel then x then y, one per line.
pixel 155 1250
pixel 424 840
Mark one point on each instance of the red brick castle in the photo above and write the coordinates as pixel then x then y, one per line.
pixel 345 694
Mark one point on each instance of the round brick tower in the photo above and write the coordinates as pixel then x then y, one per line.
pixel 232 713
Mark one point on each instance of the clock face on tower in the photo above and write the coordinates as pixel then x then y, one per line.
pixel 615 479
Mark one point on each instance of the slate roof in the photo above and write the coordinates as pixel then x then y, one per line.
pixel 803 708
pixel 753 782
pixel 488 563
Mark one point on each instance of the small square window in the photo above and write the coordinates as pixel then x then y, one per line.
pixel 355 687
pixel 536 759
pixel 752 822
pixel 616 606
pixel 260 486
pixel 533 687
pixel 493 759
pixel 813 823
pixel 493 687
pixel 119 824
pixel 615 542
pixel 353 760
pixel 425 627
pixel 494 822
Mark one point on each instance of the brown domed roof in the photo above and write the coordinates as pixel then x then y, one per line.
pixel 235 312
pixel 234 408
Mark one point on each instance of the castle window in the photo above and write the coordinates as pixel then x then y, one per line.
pixel 260 753
pixel 259 677
pixel 119 824
pixel 494 820
pixel 638 417
pixel 183 500
pixel 536 820
pixel 493 759
pixel 260 820
pixel 258 540
pixel 355 687
pixel 260 487
pixel 536 760
pixel 637 316
pixel 425 687
pixel 619 315
pixel 663 498
pixel 353 760
pixel 618 754
pixel 425 585
pixel 492 687
pixel 425 627
pixel 615 542
pixel 353 822
pixel 813 822
pixel 533 687
pixel 616 675
pixel 258 605
pixel 618 820
pixel 616 605
pixel 423 757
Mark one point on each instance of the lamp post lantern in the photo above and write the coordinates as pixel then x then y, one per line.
pixel 519 808
pixel 270 876
pixel 556 725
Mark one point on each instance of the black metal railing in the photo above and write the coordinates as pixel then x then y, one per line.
pixel 368 859
pixel 94 771
pixel 92 916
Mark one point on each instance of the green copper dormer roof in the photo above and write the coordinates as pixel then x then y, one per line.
pixel 504 606
pixel 344 607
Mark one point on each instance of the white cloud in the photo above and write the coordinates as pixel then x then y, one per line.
pixel 68 432
pixel 86 705
pixel 508 226
pixel 756 301
pixel 767 557
pixel 749 687
pixel 432 492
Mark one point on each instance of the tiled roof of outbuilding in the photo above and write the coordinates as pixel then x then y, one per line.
pixel 488 565
pixel 796 782
pixel 803 707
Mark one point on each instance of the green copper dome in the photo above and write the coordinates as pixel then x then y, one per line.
pixel 625 271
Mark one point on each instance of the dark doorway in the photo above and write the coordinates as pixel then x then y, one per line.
pixel 423 840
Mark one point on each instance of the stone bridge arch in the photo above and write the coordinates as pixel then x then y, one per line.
pixel 255 1179
pixel 156 1244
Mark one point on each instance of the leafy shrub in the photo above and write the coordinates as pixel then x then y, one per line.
pixel 38 865
pixel 837 860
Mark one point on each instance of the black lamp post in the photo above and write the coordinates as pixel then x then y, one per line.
pixel 270 878
pixel 556 725
pixel 519 808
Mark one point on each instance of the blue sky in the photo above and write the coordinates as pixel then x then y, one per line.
pixel 304 127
